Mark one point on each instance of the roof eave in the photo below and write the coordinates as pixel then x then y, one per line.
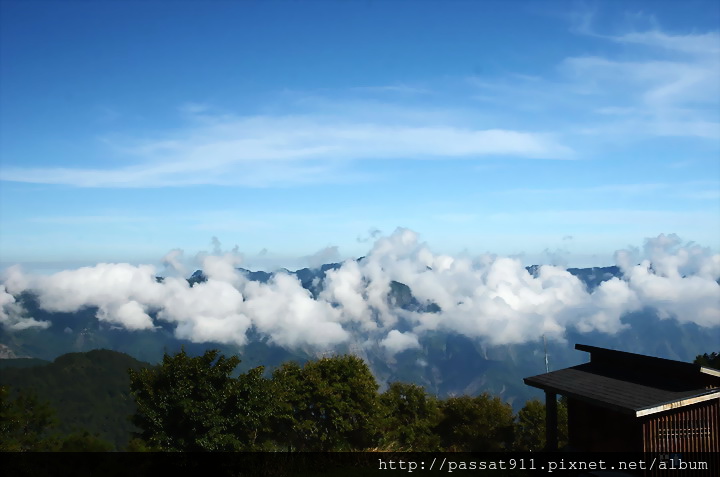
pixel 686 401
pixel 710 371
pixel 714 394
pixel 580 397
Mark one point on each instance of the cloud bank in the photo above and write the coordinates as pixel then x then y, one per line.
pixel 488 298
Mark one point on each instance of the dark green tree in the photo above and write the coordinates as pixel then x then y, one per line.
pixel 85 442
pixel 89 391
pixel 562 410
pixel 292 423
pixel 257 407
pixel 711 360
pixel 530 426
pixel 476 424
pixel 329 404
pixel 409 415
pixel 138 445
pixel 26 423
pixel 193 404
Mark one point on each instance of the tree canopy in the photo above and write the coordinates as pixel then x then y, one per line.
pixel 200 403
pixel 26 423
pixel 89 391
pixel 530 426
pixel 193 404
pixel 328 404
pixel 471 424
pixel 409 416
pixel 712 360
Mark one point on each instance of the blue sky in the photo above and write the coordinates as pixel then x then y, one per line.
pixel 539 129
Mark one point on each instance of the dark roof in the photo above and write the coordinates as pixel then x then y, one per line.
pixel 650 363
pixel 631 383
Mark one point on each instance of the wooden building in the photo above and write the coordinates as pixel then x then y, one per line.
pixel 629 402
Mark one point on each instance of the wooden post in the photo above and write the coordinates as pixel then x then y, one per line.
pixel 551 427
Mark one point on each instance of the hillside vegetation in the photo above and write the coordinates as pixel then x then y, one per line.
pixel 89 391
pixel 104 400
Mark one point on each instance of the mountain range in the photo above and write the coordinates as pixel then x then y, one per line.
pixel 445 363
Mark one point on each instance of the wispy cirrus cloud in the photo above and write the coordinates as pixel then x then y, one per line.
pixel 610 217
pixel 660 85
pixel 399 88
pixel 89 219
pixel 710 194
pixel 705 189
pixel 668 83
pixel 276 150
pixel 701 44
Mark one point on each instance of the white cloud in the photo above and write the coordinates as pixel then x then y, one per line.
pixel 287 313
pixel 667 89
pixel 131 315
pixel 399 88
pixel 173 262
pixel 675 77
pixel 329 254
pixel 702 44
pixel 601 217
pixel 11 314
pixel 194 108
pixel 678 280
pixel 685 189
pixel 210 311
pixel 712 194
pixel 110 287
pixel 396 342
pixel 261 151
pixel 488 298
pixel 347 288
pixel 662 84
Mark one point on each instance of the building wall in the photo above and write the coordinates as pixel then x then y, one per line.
pixel 693 428
pixel 595 429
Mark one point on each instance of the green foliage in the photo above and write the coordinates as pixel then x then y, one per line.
pixel 90 391
pixel 711 360
pixel 562 410
pixel 138 445
pixel 26 423
pixel 193 404
pixel 476 424
pixel 256 408
pixel 84 442
pixel 292 394
pixel 530 426
pixel 329 404
pixel 22 363
pixel 409 415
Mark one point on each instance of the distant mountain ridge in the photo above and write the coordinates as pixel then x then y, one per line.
pixel 446 362
pixel 592 277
